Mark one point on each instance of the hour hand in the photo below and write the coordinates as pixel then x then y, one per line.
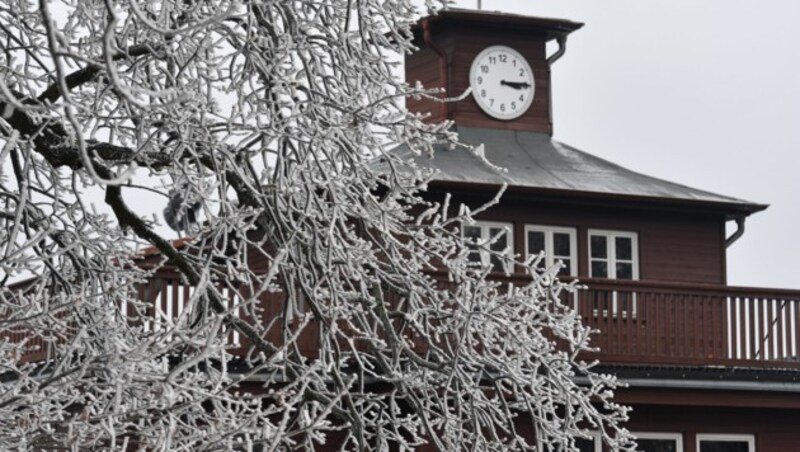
pixel 516 85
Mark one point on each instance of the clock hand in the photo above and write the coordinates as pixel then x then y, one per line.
pixel 516 85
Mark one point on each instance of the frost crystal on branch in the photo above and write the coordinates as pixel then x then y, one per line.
pixel 320 302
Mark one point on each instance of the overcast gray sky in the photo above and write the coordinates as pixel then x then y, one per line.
pixel 703 93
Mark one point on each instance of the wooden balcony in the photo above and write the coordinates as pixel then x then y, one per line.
pixel 638 322
pixel 692 324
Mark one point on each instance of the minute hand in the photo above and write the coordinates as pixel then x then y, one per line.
pixel 516 85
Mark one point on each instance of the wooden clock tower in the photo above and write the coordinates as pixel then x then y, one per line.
pixel 501 56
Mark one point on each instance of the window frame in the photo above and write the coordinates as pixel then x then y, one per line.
pixel 750 439
pixel 485 235
pixel 597 440
pixel 677 437
pixel 617 298
pixel 611 252
pixel 550 258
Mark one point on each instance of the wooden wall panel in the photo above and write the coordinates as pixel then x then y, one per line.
pixel 424 66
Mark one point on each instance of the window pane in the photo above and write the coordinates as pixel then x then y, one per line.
pixel 561 244
pixel 501 243
pixel 599 269
pixel 599 246
pixel 566 270
pixel 535 242
pixel 723 446
pixel 497 264
pixel 624 271
pixel 472 232
pixel 474 257
pixel 584 445
pixel 623 247
pixel 656 445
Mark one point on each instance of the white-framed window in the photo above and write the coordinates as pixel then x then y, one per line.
pixel 658 442
pixel 557 243
pixel 717 442
pixel 613 254
pixel 479 238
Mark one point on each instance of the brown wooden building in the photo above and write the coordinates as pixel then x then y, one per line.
pixel 710 367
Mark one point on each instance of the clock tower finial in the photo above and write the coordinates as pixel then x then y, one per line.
pixel 502 57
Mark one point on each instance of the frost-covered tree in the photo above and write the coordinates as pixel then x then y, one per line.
pixel 265 129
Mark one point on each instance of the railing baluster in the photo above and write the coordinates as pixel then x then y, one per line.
pixel 751 306
pixel 176 310
pixel 641 323
pixel 796 330
pixel 619 320
pixel 629 319
pixel 657 324
pixel 730 327
pixel 777 327
pixel 741 336
pixel 682 325
pixel 734 334
pixel 766 337
pixel 697 307
pixel 721 322
pixel 769 328
pixel 672 333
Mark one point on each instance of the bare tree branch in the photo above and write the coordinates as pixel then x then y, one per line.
pixel 321 300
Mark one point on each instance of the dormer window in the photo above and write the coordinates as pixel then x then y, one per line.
pixel 613 254
pixel 557 243
pixel 479 234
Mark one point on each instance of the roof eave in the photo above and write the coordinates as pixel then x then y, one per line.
pixel 731 210
pixel 551 27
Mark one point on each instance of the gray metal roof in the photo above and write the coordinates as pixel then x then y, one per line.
pixel 534 160
pixel 551 26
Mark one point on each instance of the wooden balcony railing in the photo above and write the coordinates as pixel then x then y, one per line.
pixel 672 323
pixel 640 322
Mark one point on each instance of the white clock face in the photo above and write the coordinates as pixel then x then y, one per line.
pixel 502 82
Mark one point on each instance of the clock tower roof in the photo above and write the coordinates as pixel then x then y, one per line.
pixel 551 28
